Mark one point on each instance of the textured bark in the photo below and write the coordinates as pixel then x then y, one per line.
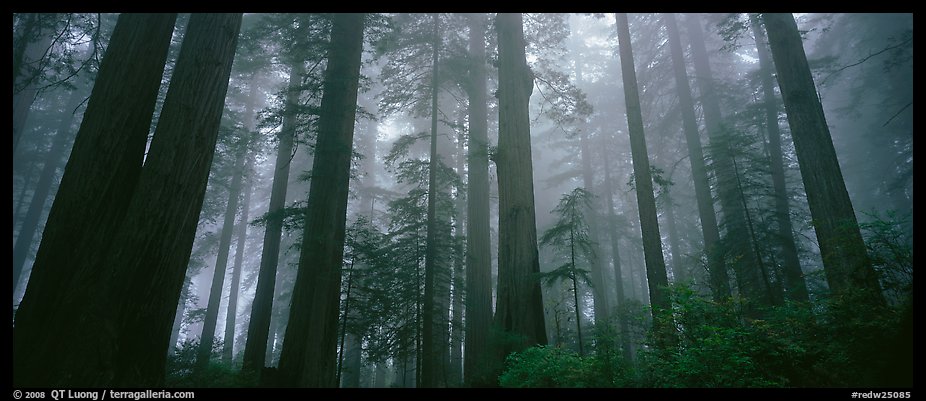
pixel 309 351
pixel 795 286
pixel 717 271
pixel 739 247
pixel 221 261
pixel 646 201
pixel 430 363
pixel 845 260
pixel 519 310
pixel 262 307
pixel 53 161
pixel 152 247
pixel 478 246
pixel 95 188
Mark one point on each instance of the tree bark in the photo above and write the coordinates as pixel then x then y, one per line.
pixel 96 186
pixel 310 345
pixel 478 247
pixel 262 306
pixel 646 201
pixel 845 260
pixel 717 271
pixel 519 310
pixel 795 286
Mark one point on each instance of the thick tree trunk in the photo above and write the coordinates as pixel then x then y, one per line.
pixel 519 310
pixel 795 286
pixel 262 306
pixel 845 260
pixel 96 186
pixel 478 246
pixel 739 250
pixel 430 363
pixel 646 201
pixel 152 247
pixel 309 351
pixel 221 260
pixel 717 271
pixel 53 161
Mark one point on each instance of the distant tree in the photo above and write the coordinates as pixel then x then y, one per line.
pixel 845 259
pixel 652 243
pixel 720 282
pixel 309 349
pixel 571 232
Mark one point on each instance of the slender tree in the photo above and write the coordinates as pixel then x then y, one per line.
pixel 794 283
pixel 646 201
pixel 92 198
pixel 478 247
pixel 845 259
pixel 309 352
pixel 519 307
pixel 720 282
pixel 231 316
pixel 739 248
pixel 614 236
pixel 262 307
pixel 430 363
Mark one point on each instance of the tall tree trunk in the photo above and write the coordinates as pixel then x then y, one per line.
pixel 646 201
pixel 38 33
pixel 519 310
pixel 231 315
pixel 596 260
pixel 95 188
pixel 221 260
pixel 152 247
pixel 478 247
pixel 845 260
pixel 262 306
pixel 430 363
pixel 795 286
pixel 745 261
pixel 623 326
pixel 717 271
pixel 53 160
pixel 310 345
pixel 455 366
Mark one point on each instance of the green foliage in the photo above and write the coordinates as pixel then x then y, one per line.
pixel 545 366
pixel 181 370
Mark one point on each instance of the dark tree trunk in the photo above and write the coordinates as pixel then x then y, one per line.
pixel 221 260
pixel 646 201
pixel 478 246
pixel 53 161
pixel 795 286
pixel 717 271
pixel 152 247
pixel 430 362
pixel 519 310
pixel 309 351
pixel 262 306
pixel 739 247
pixel 96 186
pixel 845 260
